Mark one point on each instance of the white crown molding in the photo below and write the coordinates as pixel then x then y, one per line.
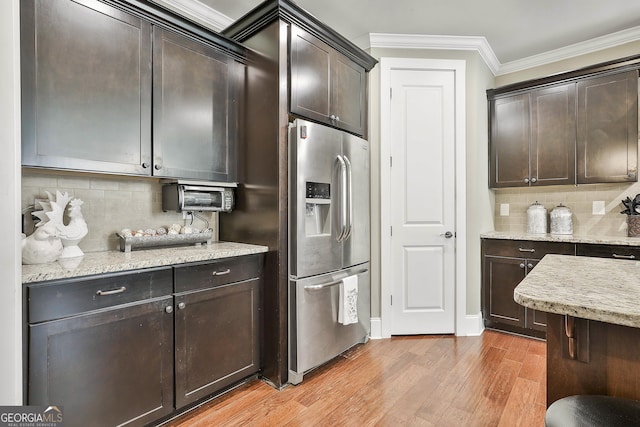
pixel 416 41
pixel 198 12
pixel 571 51
pixel 480 44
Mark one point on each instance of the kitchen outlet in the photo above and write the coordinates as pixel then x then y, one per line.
pixel 598 207
pixel 504 209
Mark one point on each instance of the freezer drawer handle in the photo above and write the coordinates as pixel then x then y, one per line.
pixel 111 292
pixel 328 285
pixel 624 256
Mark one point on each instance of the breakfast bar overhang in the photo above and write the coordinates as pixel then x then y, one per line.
pixel 593 324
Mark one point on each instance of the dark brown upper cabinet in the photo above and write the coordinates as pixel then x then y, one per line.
pixel 86 87
pixel 195 124
pixel 326 86
pixel 578 127
pixel 127 89
pixel 532 138
pixel 608 128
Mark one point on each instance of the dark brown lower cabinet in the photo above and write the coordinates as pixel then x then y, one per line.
pixel 505 263
pixel 133 348
pixel 217 339
pixel 111 366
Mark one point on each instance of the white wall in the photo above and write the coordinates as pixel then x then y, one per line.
pixel 10 254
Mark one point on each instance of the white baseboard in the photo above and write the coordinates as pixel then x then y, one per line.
pixel 376 328
pixel 472 325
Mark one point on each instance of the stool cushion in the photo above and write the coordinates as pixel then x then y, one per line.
pixel 592 411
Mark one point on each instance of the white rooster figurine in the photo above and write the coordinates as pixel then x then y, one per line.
pixel 75 231
pixel 53 239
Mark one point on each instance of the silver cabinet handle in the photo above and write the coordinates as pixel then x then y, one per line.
pixel 168 309
pixel 447 235
pixel 522 265
pixel 526 180
pixel 529 266
pixel 334 118
pixel 221 273
pixel 534 180
pixel 111 292
pixel 624 256
pixel 145 165
pixel 526 250
pixel 181 306
pixel 158 167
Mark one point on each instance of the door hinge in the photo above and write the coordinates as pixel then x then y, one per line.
pixel 390 161
pixel 390 92
pixel 391 296
pixel 391 230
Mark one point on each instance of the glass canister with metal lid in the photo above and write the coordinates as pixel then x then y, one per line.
pixel 536 219
pixel 561 220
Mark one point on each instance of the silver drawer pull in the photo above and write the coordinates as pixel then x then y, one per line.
pixel 221 273
pixel 111 292
pixel 526 250
pixel 624 256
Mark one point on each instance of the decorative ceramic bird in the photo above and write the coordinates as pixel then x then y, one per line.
pixel 72 233
pixel 43 246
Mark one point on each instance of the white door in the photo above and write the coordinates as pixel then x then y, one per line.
pixel 422 123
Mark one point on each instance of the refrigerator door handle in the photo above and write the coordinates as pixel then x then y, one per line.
pixel 349 198
pixel 343 199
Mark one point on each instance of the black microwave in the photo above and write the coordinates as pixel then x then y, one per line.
pixel 198 196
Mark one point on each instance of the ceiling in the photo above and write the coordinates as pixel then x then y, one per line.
pixel 515 29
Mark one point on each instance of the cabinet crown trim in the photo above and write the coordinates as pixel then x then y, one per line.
pixel 271 10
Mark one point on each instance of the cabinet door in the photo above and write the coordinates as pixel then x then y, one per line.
pixel 110 367
pixel 86 87
pixel 501 276
pixel 310 76
pixel 553 135
pixel 509 142
pixel 535 319
pixel 194 109
pixel 348 94
pixel 217 339
pixel 607 126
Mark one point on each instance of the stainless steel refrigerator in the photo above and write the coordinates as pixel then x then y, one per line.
pixel 329 243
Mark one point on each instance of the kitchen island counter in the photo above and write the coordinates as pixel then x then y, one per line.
pixel 593 324
pixel 114 261
pixel 601 289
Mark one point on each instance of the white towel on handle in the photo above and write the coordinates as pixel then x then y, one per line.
pixel 348 309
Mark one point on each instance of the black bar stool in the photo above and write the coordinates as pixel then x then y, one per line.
pixel 593 411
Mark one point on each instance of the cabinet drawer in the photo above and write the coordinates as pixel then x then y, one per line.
pixel 526 248
pixel 608 251
pixel 215 273
pixel 68 297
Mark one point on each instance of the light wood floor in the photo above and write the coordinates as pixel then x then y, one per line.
pixel 492 380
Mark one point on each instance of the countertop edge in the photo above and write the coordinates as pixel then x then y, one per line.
pixel 562 284
pixel 602 240
pixel 94 263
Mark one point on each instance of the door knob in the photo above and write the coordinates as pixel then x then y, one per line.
pixel 447 235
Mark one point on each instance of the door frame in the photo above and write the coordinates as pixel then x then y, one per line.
pixel 387 65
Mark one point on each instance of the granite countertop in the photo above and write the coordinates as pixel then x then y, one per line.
pixel 112 261
pixel 602 240
pixel 602 289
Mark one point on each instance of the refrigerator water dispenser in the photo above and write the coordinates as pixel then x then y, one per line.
pixel 318 209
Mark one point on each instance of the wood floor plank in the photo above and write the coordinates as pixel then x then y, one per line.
pixel 494 379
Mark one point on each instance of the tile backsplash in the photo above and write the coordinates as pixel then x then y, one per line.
pixel 111 203
pixel 578 198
